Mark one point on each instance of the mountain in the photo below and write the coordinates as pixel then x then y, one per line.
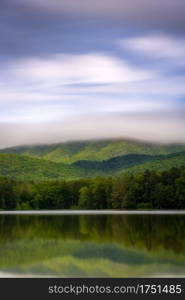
pixel 28 168
pixel 160 164
pixel 119 162
pixel 99 150
pixel 132 161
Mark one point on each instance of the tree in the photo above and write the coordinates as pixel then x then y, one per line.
pixel 84 198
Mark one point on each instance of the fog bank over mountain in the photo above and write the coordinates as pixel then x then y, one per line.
pixel 151 128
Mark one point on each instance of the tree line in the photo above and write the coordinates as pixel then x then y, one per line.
pixel 146 190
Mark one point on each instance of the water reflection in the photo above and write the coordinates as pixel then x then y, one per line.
pixel 90 245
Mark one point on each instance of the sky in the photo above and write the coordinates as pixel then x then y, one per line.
pixel 90 69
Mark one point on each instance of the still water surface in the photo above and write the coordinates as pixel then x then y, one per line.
pixel 115 245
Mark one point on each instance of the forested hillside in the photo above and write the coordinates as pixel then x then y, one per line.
pixel 111 175
pixel 147 190
pixel 27 169
pixel 133 162
pixel 93 150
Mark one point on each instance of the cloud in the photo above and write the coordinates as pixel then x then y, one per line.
pixel 63 97
pixel 93 68
pixel 156 13
pixel 161 86
pixel 151 127
pixel 62 75
pixel 158 46
pixel 37 112
pixel 37 27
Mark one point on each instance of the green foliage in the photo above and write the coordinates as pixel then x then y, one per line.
pixel 84 197
pixel 93 150
pixel 158 164
pixel 140 176
pixel 150 189
pixel 146 205
pixel 27 169
pixel 33 169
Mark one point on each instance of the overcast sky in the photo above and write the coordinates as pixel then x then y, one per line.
pixel 81 69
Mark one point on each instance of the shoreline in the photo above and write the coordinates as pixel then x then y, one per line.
pixel 93 212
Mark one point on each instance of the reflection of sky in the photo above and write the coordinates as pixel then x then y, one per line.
pixel 96 70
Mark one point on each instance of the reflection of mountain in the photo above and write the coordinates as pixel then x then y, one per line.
pixel 88 159
pixel 124 245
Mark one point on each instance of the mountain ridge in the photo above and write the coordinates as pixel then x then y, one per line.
pixel 93 150
pixel 26 168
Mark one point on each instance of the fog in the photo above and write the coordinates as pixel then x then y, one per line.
pixel 147 127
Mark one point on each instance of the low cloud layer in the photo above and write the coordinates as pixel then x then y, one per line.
pixel 148 127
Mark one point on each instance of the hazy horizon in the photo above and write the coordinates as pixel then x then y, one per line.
pixel 80 70
pixel 73 141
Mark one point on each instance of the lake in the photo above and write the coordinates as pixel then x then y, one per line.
pixel 101 245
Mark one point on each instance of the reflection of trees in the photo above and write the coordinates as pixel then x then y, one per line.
pixel 149 233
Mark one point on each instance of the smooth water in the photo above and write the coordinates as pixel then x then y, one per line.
pixel 92 245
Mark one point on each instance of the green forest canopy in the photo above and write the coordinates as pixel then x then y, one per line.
pixel 146 190
pixel 93 150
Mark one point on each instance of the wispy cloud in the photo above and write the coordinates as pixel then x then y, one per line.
pixel 88 96
pixel 80 69
pixel 93 68
pixel 157 46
